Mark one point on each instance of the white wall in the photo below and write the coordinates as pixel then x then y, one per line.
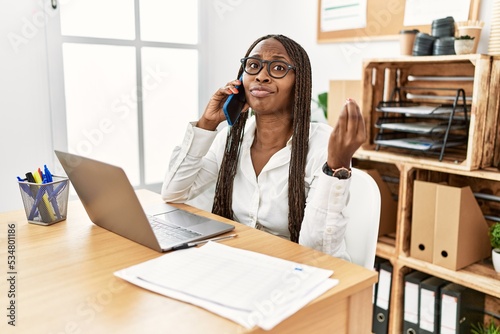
pixel 233 25
pixel 25 132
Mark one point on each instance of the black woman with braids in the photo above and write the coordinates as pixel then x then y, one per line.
pixel 272 169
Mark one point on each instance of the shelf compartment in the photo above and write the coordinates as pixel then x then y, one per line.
pixel 429 76
pixel 401 109
pixel 479 182
pixel 479 276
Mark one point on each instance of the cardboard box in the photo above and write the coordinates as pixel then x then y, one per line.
pixel 448 226
pixel 389 207
pixel 423 217
pixel 460 232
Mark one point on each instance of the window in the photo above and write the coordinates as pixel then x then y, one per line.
pixel 129 78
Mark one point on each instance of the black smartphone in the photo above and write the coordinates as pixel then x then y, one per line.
pixel 234 104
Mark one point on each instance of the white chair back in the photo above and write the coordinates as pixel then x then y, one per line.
pixel 364 217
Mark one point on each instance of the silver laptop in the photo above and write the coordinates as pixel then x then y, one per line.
pixel 111 203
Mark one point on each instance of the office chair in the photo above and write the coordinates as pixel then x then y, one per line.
pixel 364 217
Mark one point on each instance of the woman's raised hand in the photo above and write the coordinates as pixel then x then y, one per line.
pixel 347 136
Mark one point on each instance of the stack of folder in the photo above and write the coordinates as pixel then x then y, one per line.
pixel 430 304
pixel 434 305
pixel 412 301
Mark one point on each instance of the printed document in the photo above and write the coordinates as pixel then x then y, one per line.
pixel 249 288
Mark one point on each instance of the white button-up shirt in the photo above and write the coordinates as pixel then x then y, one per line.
pixel 263 199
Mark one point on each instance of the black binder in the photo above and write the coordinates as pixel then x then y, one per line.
pixel 376 266
pixel 412 282
pixel 460 308
pixel 382 300
pixel 430 304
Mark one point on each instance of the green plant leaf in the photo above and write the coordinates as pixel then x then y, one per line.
pixel 481 328
pixel 322 102
pixel 494 233
pixel 464 37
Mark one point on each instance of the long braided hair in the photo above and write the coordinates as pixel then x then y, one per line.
pixel 301 114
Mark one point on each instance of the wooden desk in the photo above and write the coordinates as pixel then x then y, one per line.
pixel 65 283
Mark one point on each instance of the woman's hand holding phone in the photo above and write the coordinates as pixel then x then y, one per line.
pixel 234 104
pixel 214 113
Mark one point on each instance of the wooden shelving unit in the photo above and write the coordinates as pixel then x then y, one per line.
pixel 472 73
pixel 475 165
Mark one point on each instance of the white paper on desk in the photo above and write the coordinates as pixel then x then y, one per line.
pixel 249 288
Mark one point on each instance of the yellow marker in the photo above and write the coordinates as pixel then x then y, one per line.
pixel 50 210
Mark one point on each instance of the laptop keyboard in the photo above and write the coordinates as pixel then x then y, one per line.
pixel 168 233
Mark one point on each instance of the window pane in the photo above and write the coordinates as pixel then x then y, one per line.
pixel 98 18
pixel 170 101
pixel 169 21
pixel 101 104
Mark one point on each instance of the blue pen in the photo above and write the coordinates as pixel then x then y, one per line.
pixel 48 175
pixel 24 186
pixel 41 209
pixel 47 178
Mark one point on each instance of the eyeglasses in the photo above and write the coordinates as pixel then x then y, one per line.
pixel 276 68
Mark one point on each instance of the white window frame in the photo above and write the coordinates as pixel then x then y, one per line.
pixel 55 40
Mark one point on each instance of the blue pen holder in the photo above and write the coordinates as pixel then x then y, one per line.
pixel 46 203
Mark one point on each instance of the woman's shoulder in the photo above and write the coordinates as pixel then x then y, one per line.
pixel 319 136
pixel 318 129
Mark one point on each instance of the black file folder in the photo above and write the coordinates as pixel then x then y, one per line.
pixel 382 300
pixel 460 308
pixel 430 304
pixel 412 301
pixel 376 266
